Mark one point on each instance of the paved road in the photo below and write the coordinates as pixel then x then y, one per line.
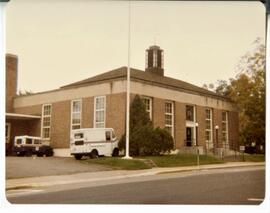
pixel 222 186
pixel 18 167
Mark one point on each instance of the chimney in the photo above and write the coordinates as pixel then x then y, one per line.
pixel 154 60
pixel 11 80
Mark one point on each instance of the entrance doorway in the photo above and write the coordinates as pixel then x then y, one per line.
pixel 189 136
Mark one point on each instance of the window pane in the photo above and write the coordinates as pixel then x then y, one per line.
pixel 224 117
pixel 100 116
pixel 46 121
pixel 100 103
pixel 76 118
pixel 208 114
pixel 100 125
pixel 47 110
pixel 46 132
pixel 168 119
pixel 190 113
pixel 208 124
pixel 76 106
pixel 168 107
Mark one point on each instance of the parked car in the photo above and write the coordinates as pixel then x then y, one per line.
pixel 93 142
pixel 28 145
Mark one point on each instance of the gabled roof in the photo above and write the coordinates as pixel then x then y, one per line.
pixel 145 77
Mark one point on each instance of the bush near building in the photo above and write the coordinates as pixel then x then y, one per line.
pixel 144 139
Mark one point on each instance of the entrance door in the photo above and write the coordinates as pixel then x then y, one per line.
pixel 189 136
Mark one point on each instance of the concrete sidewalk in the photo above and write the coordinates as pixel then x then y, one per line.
pixel 12 184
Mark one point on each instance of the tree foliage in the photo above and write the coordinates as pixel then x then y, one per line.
pixel 247 91
pixel 144 139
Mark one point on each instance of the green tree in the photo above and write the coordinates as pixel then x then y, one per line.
pixel 247 91
pixel 143 138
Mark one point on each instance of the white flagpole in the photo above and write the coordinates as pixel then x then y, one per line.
pixel 128 88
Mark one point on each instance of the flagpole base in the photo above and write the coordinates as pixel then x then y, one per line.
pixel 127 157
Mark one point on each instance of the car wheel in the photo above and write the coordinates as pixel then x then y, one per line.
pixel 78 157
pixel 115 153
pixel 94 154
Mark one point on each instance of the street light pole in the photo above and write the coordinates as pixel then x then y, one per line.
pixel 216 127
pixel 128 88
pixel 197 145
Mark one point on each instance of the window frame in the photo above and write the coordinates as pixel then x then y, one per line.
pixel 210 130
pixel 226 142
pixel 72 113
pixel 42 121
pixel 172 117
pixel 150 105
pixel 194 113
pixel 95 110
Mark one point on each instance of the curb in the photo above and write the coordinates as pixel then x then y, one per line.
pixel 148 173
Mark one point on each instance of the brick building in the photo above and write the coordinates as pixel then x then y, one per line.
pixel 193 115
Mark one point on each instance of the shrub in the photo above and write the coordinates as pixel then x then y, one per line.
pixel 143 138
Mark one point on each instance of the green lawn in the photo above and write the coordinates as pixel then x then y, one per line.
pixel 182 160
pixel 118 163
pixel 161 161
pixel 254 158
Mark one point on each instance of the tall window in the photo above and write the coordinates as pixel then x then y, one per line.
pixel 148 105
pixel 224 129
pixel 208 127
pixel 190 115
pixel 46 121
pixel 100 112
pixel 76 112
pixel 169 117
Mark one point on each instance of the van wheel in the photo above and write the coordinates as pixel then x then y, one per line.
pixel 115 153
pixel 78 157
pixel 94 154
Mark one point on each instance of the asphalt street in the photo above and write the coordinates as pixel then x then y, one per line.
pixel 219 186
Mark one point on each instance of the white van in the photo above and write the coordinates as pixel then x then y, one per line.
pixel 29 145
pixel 93 142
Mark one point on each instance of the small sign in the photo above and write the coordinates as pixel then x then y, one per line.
pixel 242 148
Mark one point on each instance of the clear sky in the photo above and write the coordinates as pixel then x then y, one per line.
pixel 62 41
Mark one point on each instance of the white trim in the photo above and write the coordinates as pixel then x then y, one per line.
pixel 172 116
pixel 71 113
pixel 120 87
pixel 42 127
pixel 227 130
pixel 150 105
pixel 62 152
pixel 22 115
pixel 8 126
pixel 209 144
pixel 94 122
pixel 155 58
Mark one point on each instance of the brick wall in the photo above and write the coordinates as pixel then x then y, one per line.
pixel 200 116
pixel 11 80
pixel 217 122
pixel 233 122
pixel 88 112
pixel 116 113
pixel 60 124
pixel 158 112
pixel 180 124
